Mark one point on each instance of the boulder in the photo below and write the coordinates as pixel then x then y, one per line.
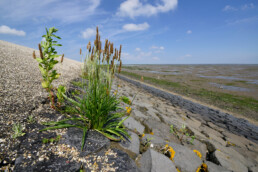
pixel 160 129
pixel 94 141
pixel 132 144
pixel 230 161
pixel 215 168
pixel 152 161
pixel 109 160
pixel 197 145
pixel 54 163
pixel 185 159
pixel 132 124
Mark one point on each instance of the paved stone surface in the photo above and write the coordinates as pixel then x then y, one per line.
pixel 216 168
pixel 132 144
pixel 185 159
pixel 132 124
pixel 233 163
pixel 152 161
pixel 160 129
pixel 235 125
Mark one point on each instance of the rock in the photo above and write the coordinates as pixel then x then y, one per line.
pixel 185 159
pixel 109 160
pixel 152 113
pixel 254 169
pixel 160 129
pixel 133 144
pixel 138 115
pixel 94 141
pixel 215 168
pixel 230 162
pixel 132 124
pixel 197 145
pixel 152 161
pixel 156 140
pixel 54 163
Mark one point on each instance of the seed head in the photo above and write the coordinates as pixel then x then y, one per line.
pixel 89 46
pixel 120 50
pixel 80 51
pixel 40 52
pixel 111 48
pixel 106 47
pixel 120 67
pixel 62 58
pixel 34 55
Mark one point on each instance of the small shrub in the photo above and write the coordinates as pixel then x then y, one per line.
pixel 47 62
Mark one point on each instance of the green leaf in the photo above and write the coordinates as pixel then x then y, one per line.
pixel 83 137
pixel 39 60
pixel 45 84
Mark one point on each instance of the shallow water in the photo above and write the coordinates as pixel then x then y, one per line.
pixel 227 87
pixel 251 81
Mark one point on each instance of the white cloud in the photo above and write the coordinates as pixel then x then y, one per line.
pixel 137 49
pixel 244 20
pixel 134 8
pixel 157 48
pixel 88 33
pixel 188 55
pixel 247 6
pixel 155 58
pixel 189 32
pixel 136 27
pixel 45 10
pixel 229 8
pixel 7 30
pixel 243 7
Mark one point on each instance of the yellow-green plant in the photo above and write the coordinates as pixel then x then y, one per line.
pixel 183 131
pixel 97 108
pixel 47 62
pixel 18 130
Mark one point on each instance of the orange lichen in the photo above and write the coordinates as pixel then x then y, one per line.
pixel 171 151
pixel 198 153
pixel 151 133
pixel 202 168
pixel 128 110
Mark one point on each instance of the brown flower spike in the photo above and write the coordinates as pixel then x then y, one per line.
pixel 62 58
pixel 40 52
pixel 34 55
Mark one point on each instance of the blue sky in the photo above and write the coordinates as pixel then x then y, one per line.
pixel 151 31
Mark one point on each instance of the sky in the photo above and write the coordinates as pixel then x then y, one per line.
pixel 150 31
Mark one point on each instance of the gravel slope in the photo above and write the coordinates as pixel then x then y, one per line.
pixel 20 77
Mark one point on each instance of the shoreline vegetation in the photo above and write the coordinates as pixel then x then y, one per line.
pixel 241 105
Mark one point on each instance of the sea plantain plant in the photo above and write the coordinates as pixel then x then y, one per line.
pixel 47 62
pixel 97 107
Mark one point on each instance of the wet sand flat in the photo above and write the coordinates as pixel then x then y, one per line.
pixel 233 88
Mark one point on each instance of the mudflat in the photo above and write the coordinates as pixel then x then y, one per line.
pixel 233 88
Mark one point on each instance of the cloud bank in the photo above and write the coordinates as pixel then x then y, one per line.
pixel 135 8
pixel 7 30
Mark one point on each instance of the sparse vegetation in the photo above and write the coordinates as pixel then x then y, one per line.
pixel 183 132
pixel 97 108
pixel 18 130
